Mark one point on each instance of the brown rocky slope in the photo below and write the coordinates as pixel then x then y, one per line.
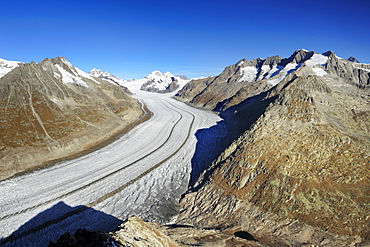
pixel 300 173
pixel 51 110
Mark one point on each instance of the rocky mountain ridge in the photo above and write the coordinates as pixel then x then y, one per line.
pixel 250 78
pixel 299 171
pixel 51 110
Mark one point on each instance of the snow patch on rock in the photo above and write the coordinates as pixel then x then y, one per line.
pixel 6 66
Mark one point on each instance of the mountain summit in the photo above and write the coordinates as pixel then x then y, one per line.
pixel 353 59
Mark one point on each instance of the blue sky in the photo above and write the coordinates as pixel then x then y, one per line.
pixel 196 38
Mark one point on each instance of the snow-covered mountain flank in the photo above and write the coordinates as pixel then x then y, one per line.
pixel 6 66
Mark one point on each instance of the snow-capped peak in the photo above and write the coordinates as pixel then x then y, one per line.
pixel 106 76
pixel 154 75
pixel 168 74
pixel 69 74
pixel 100 73
pixel 6 66
pixel 157 81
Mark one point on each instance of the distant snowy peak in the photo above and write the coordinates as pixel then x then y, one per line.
pixel 6 66
pixel 157 81
pixel 106 76
pixel 100 73
pixel 155 74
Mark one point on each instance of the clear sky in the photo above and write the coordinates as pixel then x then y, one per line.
pixel 194 37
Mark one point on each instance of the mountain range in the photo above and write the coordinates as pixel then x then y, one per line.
pixel 292 171
pixel 155 81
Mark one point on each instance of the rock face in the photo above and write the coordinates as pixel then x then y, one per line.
pixel 353 59
pixel 52 110
pixel 135 232
pixel 299 172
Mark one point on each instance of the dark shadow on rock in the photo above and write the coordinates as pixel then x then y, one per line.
pixel 245 235
pixel 50 224
pixel 210 143
pixel 84 238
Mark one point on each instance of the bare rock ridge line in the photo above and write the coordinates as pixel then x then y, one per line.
pixel 110 194
pixel 52 110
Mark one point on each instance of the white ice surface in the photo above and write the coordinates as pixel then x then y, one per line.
pixel 70 78
pixel 284 72
pixel 317 59
pixel 248 74
pixel 319 71
pixel 30 200
pixel 6 66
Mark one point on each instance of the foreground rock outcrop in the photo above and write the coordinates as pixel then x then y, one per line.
pixel 135 232
pixel 52 110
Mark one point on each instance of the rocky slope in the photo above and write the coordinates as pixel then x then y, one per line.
pixel 52 110
pixel 299 172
